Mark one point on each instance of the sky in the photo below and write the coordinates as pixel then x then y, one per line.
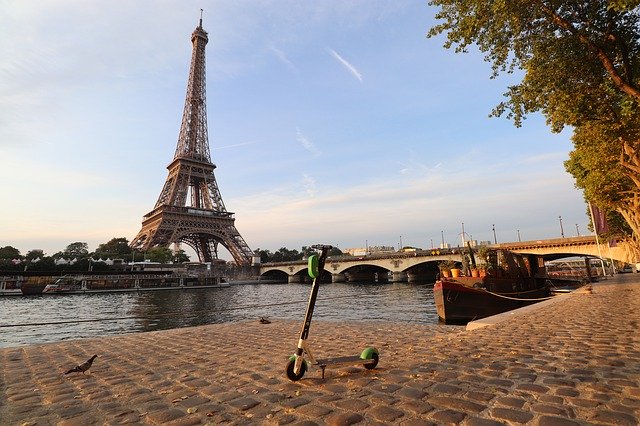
pixel 335 122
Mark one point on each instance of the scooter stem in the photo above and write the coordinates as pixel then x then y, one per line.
pixel 304 333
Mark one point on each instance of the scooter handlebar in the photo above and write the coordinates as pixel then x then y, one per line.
pixel 322 246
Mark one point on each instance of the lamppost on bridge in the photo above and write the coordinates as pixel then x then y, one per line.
pixel 495 240
pixel 577 230
pixel 519 240
pixel 561 229
pixel 442 235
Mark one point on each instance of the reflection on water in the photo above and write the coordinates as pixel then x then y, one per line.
pixel 117 313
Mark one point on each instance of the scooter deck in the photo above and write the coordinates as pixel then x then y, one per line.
pixel 353 359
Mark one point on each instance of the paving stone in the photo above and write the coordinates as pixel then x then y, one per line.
pixel 456 404
pixel 448 416
pixel 552 409
pixel 477 421
pixel 414 406
pixel 411 393
pixel 556 421
pixel 244 403
pixel 164 416
pixel 385 413
pixel 516 416
pixel 614 417
pixel 344 419
pixel 314 411
pixel 510 401
pixel 352 404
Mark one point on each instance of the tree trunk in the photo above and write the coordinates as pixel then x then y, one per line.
pixel 629 206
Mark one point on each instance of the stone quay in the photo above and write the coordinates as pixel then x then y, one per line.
pixel 575 361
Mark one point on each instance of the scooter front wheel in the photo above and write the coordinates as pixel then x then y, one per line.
pixel 291 375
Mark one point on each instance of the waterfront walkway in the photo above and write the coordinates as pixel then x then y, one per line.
pixel 576 361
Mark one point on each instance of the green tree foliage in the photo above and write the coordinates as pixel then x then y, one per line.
pixel 34 255
pixel 620 5
pixel 116 248
pixel 76 250
pixel 9 253
pixel 286 255
pixel 181 257
pixel 160 254
pixel 581 64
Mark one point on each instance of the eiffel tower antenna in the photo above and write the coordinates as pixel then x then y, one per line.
pixel 190 209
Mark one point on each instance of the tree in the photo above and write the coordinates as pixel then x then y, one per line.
pixel 181 256
pixel 34 254
pixel 596 165
pixel 76 250
pixel 116 248
pixel 265 255
pixel 9 253
pixel 160 254
pixel 581 65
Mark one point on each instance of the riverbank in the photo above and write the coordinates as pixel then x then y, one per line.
pixel 570 362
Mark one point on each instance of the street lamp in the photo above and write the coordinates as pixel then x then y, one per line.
pixel 519 240
pixel 561 229
pixel 577 230
pixel 495 240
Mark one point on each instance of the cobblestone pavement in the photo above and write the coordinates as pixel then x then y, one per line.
pixel 573 362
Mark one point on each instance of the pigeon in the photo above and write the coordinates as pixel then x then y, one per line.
pixel 264 321
pixel 82 367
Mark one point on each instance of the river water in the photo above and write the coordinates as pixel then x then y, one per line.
pixel 53 318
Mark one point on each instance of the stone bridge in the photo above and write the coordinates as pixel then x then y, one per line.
pixel 559 248
pixel 422 265
pixel 396 267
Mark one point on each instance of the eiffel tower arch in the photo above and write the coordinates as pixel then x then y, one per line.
pixel 190 209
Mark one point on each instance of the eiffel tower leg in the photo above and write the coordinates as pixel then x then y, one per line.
pixel 204 252
pixel 215 250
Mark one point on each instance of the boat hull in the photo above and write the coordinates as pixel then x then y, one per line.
pixel 458 302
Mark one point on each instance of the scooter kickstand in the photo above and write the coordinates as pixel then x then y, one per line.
pixel 322 367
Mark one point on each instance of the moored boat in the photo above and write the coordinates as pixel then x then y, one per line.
pixel 512 281
pixel 81 284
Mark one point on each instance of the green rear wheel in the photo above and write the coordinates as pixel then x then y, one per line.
pixel 370 353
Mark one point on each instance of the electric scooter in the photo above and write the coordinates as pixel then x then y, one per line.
pixel 298 365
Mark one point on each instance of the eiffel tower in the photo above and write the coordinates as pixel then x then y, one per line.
pixel 204 222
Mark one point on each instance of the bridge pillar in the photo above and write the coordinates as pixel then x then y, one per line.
pixel 338 278
pixel 399 277
pixel 295 279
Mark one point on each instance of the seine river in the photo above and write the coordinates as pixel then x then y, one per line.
pixel 52 318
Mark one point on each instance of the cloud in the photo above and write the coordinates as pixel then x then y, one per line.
pixel 309 184
pixel 282 57
pixel 306 143
pixel 232 145
pixel 357 74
